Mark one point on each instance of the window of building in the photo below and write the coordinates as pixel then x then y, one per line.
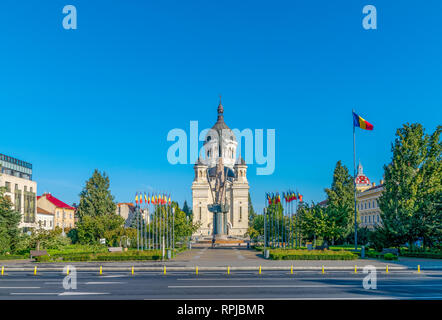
pixel 8 186
pixel 200 213
pixel 240 213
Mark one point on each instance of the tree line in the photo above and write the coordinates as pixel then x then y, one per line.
pixel 410 202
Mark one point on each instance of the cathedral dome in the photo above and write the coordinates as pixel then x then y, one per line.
pixel 220 141
pixel 220 126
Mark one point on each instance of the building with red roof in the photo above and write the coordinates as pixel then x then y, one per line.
pixel 64 214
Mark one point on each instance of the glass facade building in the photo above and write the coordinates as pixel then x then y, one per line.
pixel 15 167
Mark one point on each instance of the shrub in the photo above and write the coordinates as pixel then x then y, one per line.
pixel 428 255
pixel 373 254
pixel 45 258
pixel 390 256
pixel 131 255
pixel 12 257
pixel 291 254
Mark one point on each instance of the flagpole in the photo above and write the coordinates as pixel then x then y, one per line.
pixel 264 212
pixel 285 227
pixel 296 212
pixel 173 229
pixel 145 222
pixel 354 183
pixel 291 223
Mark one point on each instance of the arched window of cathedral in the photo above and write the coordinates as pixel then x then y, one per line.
pixel 209 138
pixel 200 214
pixel 231 138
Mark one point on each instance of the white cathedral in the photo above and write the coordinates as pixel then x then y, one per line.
pixel 220 141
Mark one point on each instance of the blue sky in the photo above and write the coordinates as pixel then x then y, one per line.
pixel 106 95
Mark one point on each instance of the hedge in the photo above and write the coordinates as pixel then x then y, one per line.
pixel 12 257
pixel 428 255
pixel 109 256
pixel 291 254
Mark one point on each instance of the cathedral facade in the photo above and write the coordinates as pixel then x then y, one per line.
pixel 220 148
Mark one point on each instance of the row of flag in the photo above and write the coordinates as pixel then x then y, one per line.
pixel 288 196
pixel 152 199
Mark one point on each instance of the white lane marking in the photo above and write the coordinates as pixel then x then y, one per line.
pixel 309 286
pixel 294 278
pixel 74 293
pixel 312 298
pixel 33 293
pixel 19 287
pixel 103 282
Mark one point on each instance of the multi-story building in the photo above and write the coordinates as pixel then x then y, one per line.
pixel 368 206
pixel 45 219
pixel 127 211
pixel 16 177
pixel 64 214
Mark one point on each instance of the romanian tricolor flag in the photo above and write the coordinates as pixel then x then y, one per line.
pixel 299 197
pixel 136 198
pixel 145 198
pixel 170 201
pixel 360 122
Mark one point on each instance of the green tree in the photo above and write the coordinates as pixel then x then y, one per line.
pixel 48 239
pixel 92 228
pixel 340 204
pixel 429 211
pixel 398 202
pixel 256 227
pixel 410 201
pixel 252 213
pixel 9 222
pixel 186 209
pixel 96 198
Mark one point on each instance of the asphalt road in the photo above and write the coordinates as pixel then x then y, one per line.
pixel 218 285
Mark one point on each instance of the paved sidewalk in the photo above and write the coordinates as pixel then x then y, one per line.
pixel 206 257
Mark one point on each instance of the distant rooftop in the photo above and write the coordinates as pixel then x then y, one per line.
pixel 56 202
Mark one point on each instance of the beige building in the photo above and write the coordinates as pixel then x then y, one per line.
pixel 221 142
pixel 64 214
pixel 127 211
pixel 367 200
pixel 16 177
pixel 368 206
